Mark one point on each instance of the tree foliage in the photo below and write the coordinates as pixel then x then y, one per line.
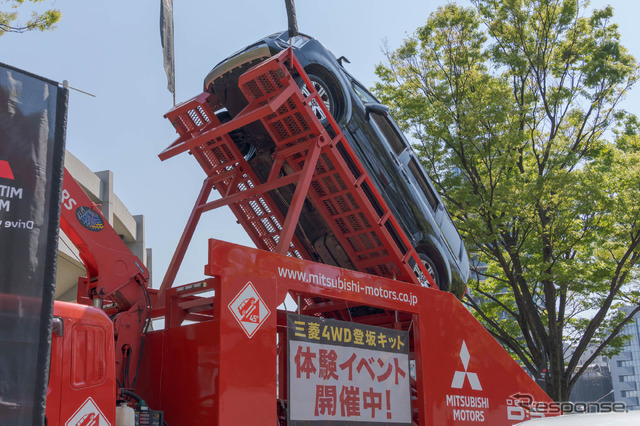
pixel 41 21
pixel 513 104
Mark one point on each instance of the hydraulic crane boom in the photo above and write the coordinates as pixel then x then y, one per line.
pixel 114 274
pixel 113 271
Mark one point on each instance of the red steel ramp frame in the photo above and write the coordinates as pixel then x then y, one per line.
pixel 228 378
pixel 324 169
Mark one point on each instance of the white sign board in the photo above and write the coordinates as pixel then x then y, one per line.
pixel 343 372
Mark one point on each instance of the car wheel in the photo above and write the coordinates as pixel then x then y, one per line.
pixel 246 149
pixel 328 95
pixel 432 269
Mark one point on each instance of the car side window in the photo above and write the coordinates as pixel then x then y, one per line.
pixel 396 141
pixel 362 93
pixel 414 167
pixel 447 227
pixel 451 234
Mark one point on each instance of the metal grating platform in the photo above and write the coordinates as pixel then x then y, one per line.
pixel 324 169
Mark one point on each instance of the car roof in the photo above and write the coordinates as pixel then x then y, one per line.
pixel 590 419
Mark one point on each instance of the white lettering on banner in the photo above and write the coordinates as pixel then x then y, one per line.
pixel 9 192
pixel 17 224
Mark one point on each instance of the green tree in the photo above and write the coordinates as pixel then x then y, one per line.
pixel 41 21
pixel 513 107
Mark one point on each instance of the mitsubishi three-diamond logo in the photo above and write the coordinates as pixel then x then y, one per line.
pixel 460 376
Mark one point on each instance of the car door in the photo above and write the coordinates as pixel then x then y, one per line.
pixel 416 175
pixel 380 160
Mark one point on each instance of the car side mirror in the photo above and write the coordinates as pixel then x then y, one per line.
pixel 58 326
pixel 372 108
pixel 342 59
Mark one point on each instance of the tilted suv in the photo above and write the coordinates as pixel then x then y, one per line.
pixel 378 142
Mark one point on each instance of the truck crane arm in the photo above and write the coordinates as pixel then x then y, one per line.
pixel 113 273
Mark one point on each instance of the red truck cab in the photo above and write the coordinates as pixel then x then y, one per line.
pixel 82 376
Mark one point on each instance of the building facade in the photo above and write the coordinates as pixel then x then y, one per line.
pixel 625 367
pixel 99 188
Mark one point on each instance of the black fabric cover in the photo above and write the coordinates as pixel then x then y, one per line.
pixel 291 18
pixel 166 38
pixel 33 114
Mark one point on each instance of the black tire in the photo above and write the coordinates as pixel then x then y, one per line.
pixel 328 93
pixel 246 149
pixel 433 270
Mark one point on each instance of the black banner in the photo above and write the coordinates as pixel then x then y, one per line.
pixel 32 132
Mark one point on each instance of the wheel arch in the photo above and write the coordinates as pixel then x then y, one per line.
pixel 337 86
pixel 434 254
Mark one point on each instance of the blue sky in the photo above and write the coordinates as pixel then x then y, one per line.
pixel 112 49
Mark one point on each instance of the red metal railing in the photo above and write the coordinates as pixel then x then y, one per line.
pixel 324 169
